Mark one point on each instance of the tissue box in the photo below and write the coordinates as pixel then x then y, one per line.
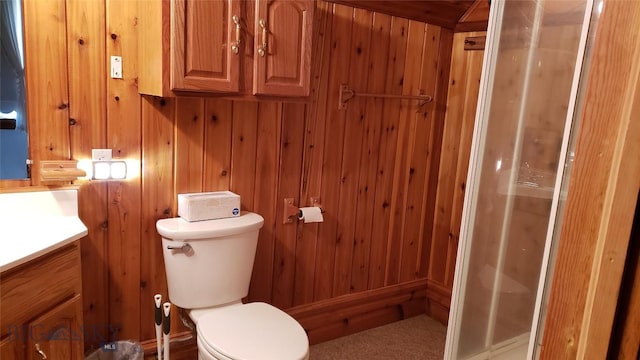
pixel 208 205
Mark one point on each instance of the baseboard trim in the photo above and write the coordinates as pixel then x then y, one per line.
pixel 332 318
pixel 344 315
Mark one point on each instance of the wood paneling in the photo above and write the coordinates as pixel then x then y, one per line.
pixel 46 81
pixel 189 157
pixel 266 196
pixel 157 191
pixel 124 197
pixel 388 140
pixel 599 212
pixel 286 236
pixel 464 84
pixel 369 155
pixel 88 129
pixel 373 166
pixel 351 166
pixel 237 153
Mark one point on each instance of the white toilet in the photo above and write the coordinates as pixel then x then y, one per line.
pixel 209 266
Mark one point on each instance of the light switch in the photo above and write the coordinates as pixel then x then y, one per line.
pixel 116 67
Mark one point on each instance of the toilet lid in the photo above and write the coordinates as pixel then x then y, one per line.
pixel 253 331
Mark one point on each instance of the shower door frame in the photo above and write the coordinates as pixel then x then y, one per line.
pixel 479 140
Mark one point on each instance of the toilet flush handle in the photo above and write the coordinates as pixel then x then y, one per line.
pixel 185 248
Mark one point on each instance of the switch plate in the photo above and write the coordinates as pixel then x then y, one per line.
pixel 101 154
pixel 116 67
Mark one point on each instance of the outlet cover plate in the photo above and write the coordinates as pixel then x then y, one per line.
pixel 101 154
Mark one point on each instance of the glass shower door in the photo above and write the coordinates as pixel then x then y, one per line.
pixel 529 84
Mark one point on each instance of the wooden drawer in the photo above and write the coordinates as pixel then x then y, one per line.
pixel 33 288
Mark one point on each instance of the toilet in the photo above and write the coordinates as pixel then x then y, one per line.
pixel 208 265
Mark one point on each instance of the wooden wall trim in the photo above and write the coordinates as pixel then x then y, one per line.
pixel 347 314
pixel 13 184
pixel 602 194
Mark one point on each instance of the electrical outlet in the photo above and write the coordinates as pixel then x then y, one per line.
pixel 100 154
pixel 116 67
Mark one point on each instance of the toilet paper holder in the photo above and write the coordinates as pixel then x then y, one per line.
pixel 292 212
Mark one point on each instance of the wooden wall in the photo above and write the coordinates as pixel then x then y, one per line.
pixel 375 166
pixel 464 86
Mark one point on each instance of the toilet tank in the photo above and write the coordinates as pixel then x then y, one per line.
pixel 209 263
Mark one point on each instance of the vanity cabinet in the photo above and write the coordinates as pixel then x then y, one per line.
pixel 41 312
pixel 230 47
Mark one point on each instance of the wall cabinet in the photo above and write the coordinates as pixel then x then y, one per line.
pixel 283 31
pixel 41 313
pixel 230 47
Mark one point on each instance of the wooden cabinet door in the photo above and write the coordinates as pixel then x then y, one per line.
pixel 8 350
pixel 57 333
pixel 205 52
pixel 282 57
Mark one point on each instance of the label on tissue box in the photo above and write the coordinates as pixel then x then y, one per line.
pixel 208 205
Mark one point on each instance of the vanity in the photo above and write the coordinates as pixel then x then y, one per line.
pixel 40 276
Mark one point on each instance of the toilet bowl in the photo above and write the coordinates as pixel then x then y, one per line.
pixel 208 266
pixel 250 331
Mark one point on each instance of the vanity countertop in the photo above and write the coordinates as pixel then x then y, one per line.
pixel 34 223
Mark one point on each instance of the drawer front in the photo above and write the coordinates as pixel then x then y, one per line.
pixel 35 287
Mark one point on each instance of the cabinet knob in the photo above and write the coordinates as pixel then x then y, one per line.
pixel 40 352
pixel 262 50
pixel 236 47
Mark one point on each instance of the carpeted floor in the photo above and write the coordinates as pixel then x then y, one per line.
pixel 416 338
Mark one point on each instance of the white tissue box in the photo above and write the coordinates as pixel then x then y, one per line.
pixel 208 205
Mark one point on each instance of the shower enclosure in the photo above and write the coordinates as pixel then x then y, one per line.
pixel 519 158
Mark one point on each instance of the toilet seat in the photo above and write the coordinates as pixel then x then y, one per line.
pixel 254 331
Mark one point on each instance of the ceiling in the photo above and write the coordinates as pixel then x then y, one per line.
pixel 457 15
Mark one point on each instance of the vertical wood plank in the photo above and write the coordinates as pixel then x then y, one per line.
pixel 334 137
pixel 46 82
pixel 401 175
pixel 424 141
pixel 88 129
pixel 217 144
pixel 389 137
pixel 189 145
pixel 291 148
pixel 306 250
pixel 377 64
pixel 440 98
pixel 441 235
pixel 265 197
pixel 157 117
pixel 243 151
pixel 352 148
pixel 439 109
pixel 431 186
pixel 124 197
pixel 464 86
